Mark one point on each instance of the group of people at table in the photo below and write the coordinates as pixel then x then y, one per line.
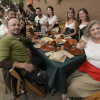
pixel 83 82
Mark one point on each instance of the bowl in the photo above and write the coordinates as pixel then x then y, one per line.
pixel 72 42
pixel 47 48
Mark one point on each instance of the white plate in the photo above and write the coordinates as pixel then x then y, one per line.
pixel 47 39
pixel 63 40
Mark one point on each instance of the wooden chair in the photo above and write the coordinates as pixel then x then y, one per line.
pixel 95 96
pixel 2 83
pixel 27 84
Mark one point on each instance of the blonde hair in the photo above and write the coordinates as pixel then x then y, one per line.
pixel 87 32
pixel 73 11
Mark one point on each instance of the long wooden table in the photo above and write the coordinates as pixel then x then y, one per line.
pixel 58 72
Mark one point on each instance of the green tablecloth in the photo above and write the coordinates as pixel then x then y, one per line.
pixel 58 72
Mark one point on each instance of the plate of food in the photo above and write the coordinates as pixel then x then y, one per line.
pixel 75 51
pixel 47 48
pixel 47 39
pixel 59 40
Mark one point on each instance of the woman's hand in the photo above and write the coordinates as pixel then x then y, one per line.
pixel 82 44
pixel 26 66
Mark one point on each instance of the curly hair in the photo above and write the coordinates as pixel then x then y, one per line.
pixel 87 32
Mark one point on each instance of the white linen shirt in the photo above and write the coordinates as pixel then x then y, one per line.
pixel 43 20
pixel 92 52
pixel 3 30
pixel 54 18
pixel 71 26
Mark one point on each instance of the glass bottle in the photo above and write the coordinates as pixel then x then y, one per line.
pixel 39 26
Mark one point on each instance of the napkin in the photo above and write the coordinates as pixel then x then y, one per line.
pixel 37 45
pixel 57 36
pixel 67 37
pixel 58 56
pixel 78 46
pixel 69 55
pixel 49 53
pixel 55 29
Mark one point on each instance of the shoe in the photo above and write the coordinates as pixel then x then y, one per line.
pixel 53 91
pixel 47 89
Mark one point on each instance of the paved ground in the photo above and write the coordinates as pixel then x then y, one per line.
pixel 32 96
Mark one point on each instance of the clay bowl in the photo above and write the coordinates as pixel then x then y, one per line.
pixel 47 48
pixel 75 51
pixel 62 36
pixel 66 44
pixel 53 43
pixel 72 42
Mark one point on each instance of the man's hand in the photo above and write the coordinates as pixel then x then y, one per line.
pixel 27 67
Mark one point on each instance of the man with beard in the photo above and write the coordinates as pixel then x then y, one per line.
pixel 1 15
pixel 3 27
pixel 42 18
pixel 13 54
pixel 11 14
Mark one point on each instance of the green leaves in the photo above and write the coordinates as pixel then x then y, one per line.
pixel 6 2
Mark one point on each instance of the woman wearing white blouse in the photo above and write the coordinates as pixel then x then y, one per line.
pixel 85 81
pixel 69 29
pixel 52 19
pixel 81 22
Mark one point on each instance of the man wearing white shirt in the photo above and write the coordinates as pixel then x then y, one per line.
pixel 42 18
pixel 1 15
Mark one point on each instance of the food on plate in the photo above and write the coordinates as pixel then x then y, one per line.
pixel 47 39
pixel 75 51
pixel 47 48
pixel 59 41
pixel 72 42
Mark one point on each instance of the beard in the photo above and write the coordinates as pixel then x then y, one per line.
pixel 16 32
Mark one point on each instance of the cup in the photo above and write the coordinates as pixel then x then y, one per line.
pixel 66 44
pixel 43 30
pixel 48 32
pixel 53 43
pixel 62 36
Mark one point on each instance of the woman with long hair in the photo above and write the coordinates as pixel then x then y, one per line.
pixel 69 29
pixel 21 13
pixel 52 19
pixel 81 22
pixel 23 27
